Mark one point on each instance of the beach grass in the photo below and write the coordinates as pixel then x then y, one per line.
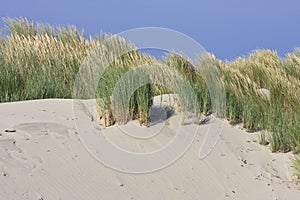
pixel 262 90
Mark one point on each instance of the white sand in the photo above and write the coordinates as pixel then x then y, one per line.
pixel 44 159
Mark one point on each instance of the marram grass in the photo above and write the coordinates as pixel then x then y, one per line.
pixel 38 61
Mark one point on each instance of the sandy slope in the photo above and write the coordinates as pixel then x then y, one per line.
pixel 44 159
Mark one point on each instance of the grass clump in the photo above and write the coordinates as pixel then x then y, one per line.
pixel 140 99
pixel 37 64
pixel 246 81
pixel 194 78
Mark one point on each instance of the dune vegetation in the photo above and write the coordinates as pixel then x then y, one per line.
pixel 262 90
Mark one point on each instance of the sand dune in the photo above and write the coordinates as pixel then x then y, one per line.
pixel 45 159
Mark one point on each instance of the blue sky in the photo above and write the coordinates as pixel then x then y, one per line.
pixel 227 28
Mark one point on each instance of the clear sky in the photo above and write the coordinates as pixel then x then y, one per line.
pixel 227 28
